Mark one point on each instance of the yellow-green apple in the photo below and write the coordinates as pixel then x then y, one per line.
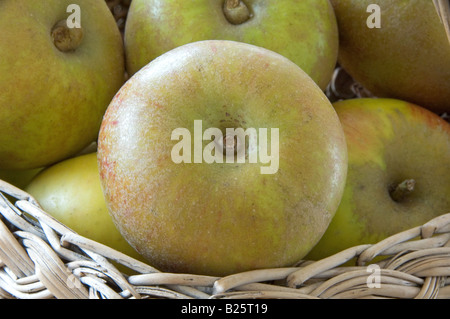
pixel 398 172
pixel 71 192
pixel 189 191
pixel 396 49
pixel 305 31
pixel 61 63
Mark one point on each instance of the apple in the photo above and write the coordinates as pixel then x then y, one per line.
pixel 405 56
pixel 56 78
pixel 194 195
pixel 71 192
pixel 304 31
pixel 398 172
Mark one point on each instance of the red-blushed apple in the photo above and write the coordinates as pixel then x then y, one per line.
pixel 61 64
pixel 398 172
pixel 173 191
pixel 396 49
pixel 304 31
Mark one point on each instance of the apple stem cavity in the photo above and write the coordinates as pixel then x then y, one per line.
pixel 401 191
pixel 236 11
pixel 66 39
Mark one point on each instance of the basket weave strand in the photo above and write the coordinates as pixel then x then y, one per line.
pixel 42 258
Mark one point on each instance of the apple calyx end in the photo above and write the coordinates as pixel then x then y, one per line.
pixel 66 39
pixel 399 192
pixel 229 144
pixel 236 11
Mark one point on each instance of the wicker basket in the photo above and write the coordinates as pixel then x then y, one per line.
pixel 42 258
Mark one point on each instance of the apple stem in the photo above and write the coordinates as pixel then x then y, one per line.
pixel 64 38
pixel 399 192
pixel 236 11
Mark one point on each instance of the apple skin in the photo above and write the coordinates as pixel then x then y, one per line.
pixel 71 192
pixel 52 102
pixel 388 141
pixel 408 58
pixel 305 31
pixel 218 219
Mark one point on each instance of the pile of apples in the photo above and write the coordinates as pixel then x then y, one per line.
pixel 91 119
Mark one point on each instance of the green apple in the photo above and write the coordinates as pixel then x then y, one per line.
pixel 56 79
pixel 191 195
pixel 19 178
pixel 406 58
pixel 398 172
pixel 304 31
pixel 71 192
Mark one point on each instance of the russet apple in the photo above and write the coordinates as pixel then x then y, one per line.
pixel 60 66
pixel 304 31
pixel 406 56
pixel 71 192
pixel 398 172
pixel 186 193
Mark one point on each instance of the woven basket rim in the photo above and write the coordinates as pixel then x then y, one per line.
pixel 42 258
